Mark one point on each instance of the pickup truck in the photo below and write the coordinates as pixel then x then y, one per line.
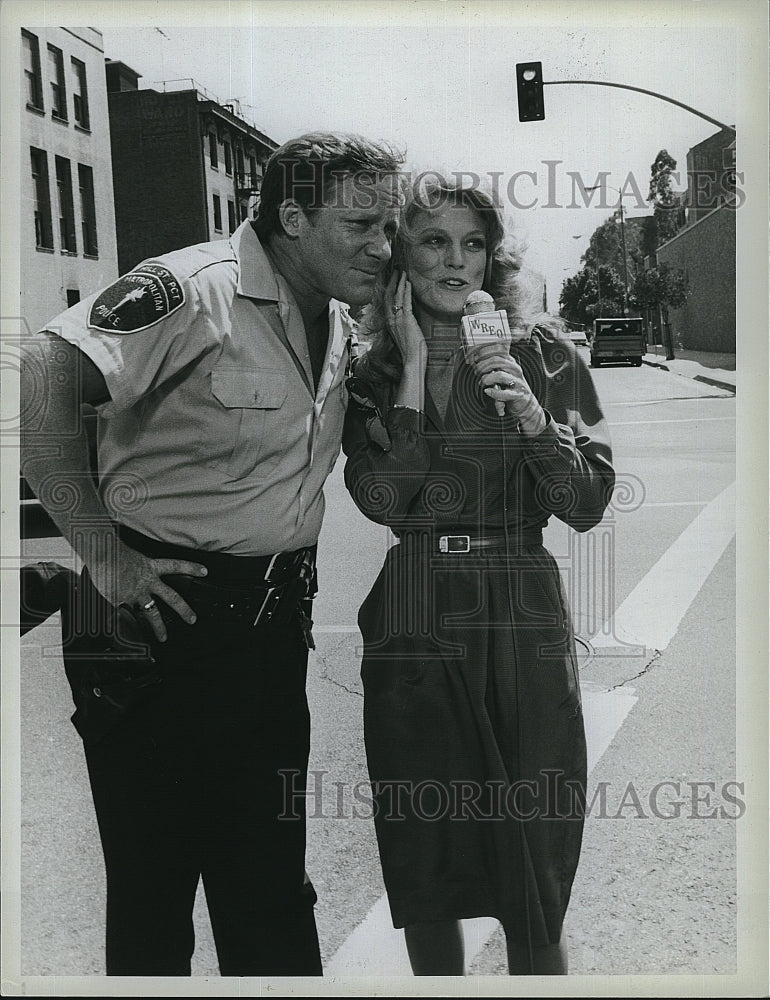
pixel 617 339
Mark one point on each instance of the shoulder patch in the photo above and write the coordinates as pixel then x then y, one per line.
pixel 136 301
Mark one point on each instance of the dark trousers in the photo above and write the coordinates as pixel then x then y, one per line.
pixel 199 780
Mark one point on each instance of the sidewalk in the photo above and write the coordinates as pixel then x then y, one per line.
pixel 703 366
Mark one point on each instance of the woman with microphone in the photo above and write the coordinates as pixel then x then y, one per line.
pixel 472 713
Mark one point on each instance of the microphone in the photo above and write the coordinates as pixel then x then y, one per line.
pixel 486 332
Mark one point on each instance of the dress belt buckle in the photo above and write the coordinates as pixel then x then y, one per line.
pixel 454 543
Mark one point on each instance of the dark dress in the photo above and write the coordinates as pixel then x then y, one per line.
pixel 472 715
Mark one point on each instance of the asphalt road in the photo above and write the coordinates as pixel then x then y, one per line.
pixel 656 892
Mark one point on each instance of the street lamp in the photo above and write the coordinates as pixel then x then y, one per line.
pixel 620 194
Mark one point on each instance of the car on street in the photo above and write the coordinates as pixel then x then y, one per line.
pixel 577 335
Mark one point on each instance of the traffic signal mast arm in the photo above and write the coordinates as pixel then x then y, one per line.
pixel 641 90
pixel 529 91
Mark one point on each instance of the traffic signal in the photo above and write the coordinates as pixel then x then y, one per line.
pixel 529 89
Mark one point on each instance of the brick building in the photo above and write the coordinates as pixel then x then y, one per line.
pixel 705 248
pixel 710 174
pixel 186 169
pixel 67 238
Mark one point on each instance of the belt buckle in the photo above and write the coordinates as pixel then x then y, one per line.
pixel 454 544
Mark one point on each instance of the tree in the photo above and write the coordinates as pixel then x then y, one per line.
pixel 666 207
pixel 573 292
pixel 580 299
pixel 606 244
pixel 662 287
pixel 591 293
pixel 648 237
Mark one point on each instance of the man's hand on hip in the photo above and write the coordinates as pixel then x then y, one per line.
pixel 134 579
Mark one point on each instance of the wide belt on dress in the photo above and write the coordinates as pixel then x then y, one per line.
pixel 462 541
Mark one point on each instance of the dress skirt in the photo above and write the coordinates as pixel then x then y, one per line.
pixel 474 736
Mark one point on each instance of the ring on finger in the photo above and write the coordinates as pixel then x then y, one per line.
pixel 149 606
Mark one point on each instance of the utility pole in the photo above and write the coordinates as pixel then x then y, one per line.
pixel 625 258
pixel 597 265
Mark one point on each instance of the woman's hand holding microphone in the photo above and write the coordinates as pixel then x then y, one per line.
pixel 503 380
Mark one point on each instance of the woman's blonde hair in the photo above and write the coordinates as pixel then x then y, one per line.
pixel 510 284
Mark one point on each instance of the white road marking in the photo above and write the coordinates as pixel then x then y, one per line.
pixel 651 613
pixel 604 713
pixel 676 420
pixel 675 503
pixel 697 398
pixel 336 628
pixel 648 617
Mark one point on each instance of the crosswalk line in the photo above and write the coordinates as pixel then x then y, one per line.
pixel 653 611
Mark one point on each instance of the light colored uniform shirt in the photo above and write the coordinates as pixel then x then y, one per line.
pixel 214 437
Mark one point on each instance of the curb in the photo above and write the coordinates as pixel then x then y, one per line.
pixel 713 381
pixel 696 378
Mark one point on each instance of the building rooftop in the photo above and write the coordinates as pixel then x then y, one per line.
pixel 233 106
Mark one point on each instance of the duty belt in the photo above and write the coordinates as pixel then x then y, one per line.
pixel 271 590
pixel 257 606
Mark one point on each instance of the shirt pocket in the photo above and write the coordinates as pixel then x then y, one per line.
pixel 249 407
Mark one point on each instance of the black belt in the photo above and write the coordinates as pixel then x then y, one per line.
pixel 224 568
pixel 461 542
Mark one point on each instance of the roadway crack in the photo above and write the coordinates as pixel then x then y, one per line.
pixel 656 654
pixel 326 676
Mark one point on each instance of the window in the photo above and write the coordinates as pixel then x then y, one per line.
pixel 231 216
pixel 253 171
pixel 43 225
pixel 34 78
pixel 88 210
pixel 228 158
pixel 217 213
pixel 213 158
pixel 58 92
pixel 239 163
pixel 73 297
pixel 80 93
pixel 66 210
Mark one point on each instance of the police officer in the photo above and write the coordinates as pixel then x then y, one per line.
pixel 218 375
